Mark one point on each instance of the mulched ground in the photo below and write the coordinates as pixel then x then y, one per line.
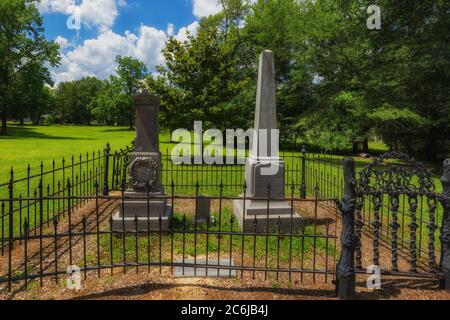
pixel 155 285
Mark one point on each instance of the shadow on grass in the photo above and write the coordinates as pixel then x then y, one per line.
pixel 30 133
pixel 119 129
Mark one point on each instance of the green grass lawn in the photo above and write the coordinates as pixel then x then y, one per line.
pixel 33 144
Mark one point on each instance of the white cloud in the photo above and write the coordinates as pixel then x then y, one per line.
pixel 183 32
pixel 100 13
pixel 204 8
pixel 170 29
pixel 63 42
pixel 50 6
pixel 96 57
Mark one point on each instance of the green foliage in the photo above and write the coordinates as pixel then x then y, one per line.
pixel 112 106
pixel 201 79
pixel 24 56
pixel 114 103
pixel 397 73
pixel 73 100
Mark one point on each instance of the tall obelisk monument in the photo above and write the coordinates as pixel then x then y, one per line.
pixel 264 169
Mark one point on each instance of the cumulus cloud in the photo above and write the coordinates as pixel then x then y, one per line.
pixel 204 8
pixel 185 31
pixel 99 13
pixel 96 57
pixel 63 42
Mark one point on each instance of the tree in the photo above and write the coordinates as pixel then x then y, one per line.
pixel 390 82
pixel 74 98
pixel 31 96
pixel 273 25
pixel 201 79
pixel 131 74
pixel 22 42
pixel 111 105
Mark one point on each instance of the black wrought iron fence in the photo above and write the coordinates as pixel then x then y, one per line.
pixel 20 191
pixel 219 246
pixel 308 172
pixel 399 215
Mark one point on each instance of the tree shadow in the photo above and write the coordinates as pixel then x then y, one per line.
pixel 118 129
pixel 392 288
pixel 136 290
pixel 30 133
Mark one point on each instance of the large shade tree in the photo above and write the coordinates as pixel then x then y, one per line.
pixel 22 43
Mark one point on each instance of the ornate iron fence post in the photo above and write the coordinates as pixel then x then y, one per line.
pixel 346 278
pixel 106 170
pixel 445 233
pixel 303 186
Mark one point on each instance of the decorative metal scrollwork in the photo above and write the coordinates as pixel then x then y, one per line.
pixel 377 177
pixel 409 180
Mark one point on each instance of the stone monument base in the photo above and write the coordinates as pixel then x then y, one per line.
pixel 279 211
pixel 147 211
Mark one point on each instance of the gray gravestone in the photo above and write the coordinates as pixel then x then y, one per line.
pixel 144 175
pixel 203 210
pixel 262 157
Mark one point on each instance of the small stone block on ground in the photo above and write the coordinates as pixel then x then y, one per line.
pixel 212 271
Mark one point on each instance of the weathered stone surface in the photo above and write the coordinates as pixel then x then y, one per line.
pixel 203 210
pixel 213 271
pixel 268 217
pixel 258 183
pixel 266 110
pixel 127 223
pixel 263 155
pixel 145 174
pixel 147 124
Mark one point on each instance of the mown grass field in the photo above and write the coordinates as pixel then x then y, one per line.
pixel 35 144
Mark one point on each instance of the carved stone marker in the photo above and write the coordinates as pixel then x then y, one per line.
pixel 203 210
pixel 264 167
pixel 144 175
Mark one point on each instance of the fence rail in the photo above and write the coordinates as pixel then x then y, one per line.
pixel 86 238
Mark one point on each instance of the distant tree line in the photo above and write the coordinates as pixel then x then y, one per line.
pixel 338 83
pixel 108 102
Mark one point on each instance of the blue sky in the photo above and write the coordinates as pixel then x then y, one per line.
pixel 99 30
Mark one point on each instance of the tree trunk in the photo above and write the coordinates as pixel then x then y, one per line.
pixel 366 146
pixel 3 91
pixel 355 147
pixel 4 131
pixel 21 121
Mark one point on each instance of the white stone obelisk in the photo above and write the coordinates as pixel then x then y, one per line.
pixel 264 169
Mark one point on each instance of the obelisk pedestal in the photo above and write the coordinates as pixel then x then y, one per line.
pixel 264 169
pixel 144 204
